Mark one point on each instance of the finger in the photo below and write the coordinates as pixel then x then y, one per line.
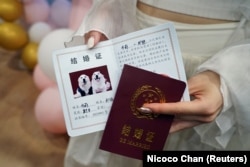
pixel 165 75
pixel 183 110
pixel 194 107
pixel 93 38
pixel 178 125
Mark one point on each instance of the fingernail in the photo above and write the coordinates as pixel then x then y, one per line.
pixel 91 42
pixel 145 110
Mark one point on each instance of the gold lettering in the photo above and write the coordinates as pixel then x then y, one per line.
pixel 138 133
pixel 150 137
pixel 126 130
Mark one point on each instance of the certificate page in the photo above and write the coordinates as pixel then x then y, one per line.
pixel 87 81
pixel 88 78
pixel 155 49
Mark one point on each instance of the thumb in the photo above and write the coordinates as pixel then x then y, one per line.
pixel 93 38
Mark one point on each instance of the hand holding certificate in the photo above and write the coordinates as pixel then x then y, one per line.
pixel 88 79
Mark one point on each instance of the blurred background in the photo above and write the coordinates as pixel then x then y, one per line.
pixel 32 128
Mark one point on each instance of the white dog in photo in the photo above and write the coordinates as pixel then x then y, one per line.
pixel 99 83
pixel 84 86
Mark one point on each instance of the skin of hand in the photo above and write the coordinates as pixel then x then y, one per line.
pixel 204 107
pixel 93 38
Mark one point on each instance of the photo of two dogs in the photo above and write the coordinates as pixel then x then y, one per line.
pixel 97 83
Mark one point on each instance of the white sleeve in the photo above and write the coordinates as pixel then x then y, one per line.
pixel 110 17
pixel 233 66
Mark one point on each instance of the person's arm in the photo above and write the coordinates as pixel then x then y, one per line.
pixel 221 98
pixel 233 66
pixel 108 19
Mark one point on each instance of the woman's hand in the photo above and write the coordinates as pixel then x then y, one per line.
pixel 207 103
pixel 93 38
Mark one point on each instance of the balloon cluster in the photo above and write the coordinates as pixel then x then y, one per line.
pixel 13 36
pixel 49 24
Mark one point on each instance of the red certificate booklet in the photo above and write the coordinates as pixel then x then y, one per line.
pixel 128 131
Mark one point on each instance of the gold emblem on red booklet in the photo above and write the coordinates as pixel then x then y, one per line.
pixel 146 94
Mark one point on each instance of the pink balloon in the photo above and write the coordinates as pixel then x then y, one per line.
pixel 36 11
pixel 60 11
pixel 48 111
pixel 41 80
pixel 78 11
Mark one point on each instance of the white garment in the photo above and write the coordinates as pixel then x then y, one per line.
pixel 199 43
pixel 215 9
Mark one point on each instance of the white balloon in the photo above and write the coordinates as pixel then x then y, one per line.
pixel 51 42
pixel 38 31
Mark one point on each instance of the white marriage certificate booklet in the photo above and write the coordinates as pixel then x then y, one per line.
pixel 88 78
